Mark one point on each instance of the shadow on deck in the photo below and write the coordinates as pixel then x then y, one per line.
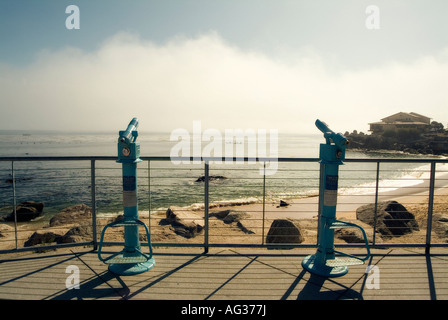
pixel 225 274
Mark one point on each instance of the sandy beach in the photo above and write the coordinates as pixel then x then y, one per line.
pixel 307 207
pixel 305 212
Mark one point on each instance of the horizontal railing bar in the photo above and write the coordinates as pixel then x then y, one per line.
pixel 279 245
pixel 58 158
pixel 223 159
pixel 47 247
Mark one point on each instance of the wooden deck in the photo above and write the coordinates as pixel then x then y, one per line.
pixel 225 274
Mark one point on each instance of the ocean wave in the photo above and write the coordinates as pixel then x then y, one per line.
pixel 225 203
pixel 407 179
pixel 217 204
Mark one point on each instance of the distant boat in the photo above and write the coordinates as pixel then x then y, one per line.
pixel 26 134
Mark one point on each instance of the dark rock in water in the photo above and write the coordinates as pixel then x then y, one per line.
pixel 73 214
pixel 393 219
pixel 27 211
pixel 210 178
pixel 18 179
pixel 284 231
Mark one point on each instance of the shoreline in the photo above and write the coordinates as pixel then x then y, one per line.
pixel 307 207
pixel 304 212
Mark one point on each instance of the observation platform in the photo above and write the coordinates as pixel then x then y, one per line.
pixel 226 274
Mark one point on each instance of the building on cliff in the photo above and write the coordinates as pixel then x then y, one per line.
pixel 401 120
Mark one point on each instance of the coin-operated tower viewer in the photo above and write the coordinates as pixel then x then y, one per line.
pixel 328 262
pixel 131 260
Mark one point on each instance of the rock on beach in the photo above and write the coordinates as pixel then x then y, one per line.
pixel 27 211
pixel 393 219
pixel 184 222
pixel 72 224
pixel 73 214
pixel 239 218
pixel 284 231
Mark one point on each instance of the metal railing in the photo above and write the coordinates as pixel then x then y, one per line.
pixel 234 204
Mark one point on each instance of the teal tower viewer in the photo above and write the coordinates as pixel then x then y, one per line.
pixel 328 262
pixel 131 260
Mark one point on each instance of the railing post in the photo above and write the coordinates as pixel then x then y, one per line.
pixel 93 199
pixel 149 195
pixel 430 206
pixel 375 213
pixel 264 201
pixel 320 204
pixel 206 190
pixel 14 201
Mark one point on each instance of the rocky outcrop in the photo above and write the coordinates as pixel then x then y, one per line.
pixel 43 237
pixel 26 211
pixel 439 224
pixel 406 140
pixel 284 231
pixel 81 233
pixel 74 225
pixel 393 219
pixel 349 235
pixel 5 230
pixel 74 214
pixel 229 216
pixel 233 216
pixel 183 221
pixel 355 235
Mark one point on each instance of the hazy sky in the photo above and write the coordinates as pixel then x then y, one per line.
pixel 257 64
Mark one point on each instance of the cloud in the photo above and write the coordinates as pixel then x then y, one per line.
pixel 169 85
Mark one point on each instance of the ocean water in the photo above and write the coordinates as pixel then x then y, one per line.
pixel 161 184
